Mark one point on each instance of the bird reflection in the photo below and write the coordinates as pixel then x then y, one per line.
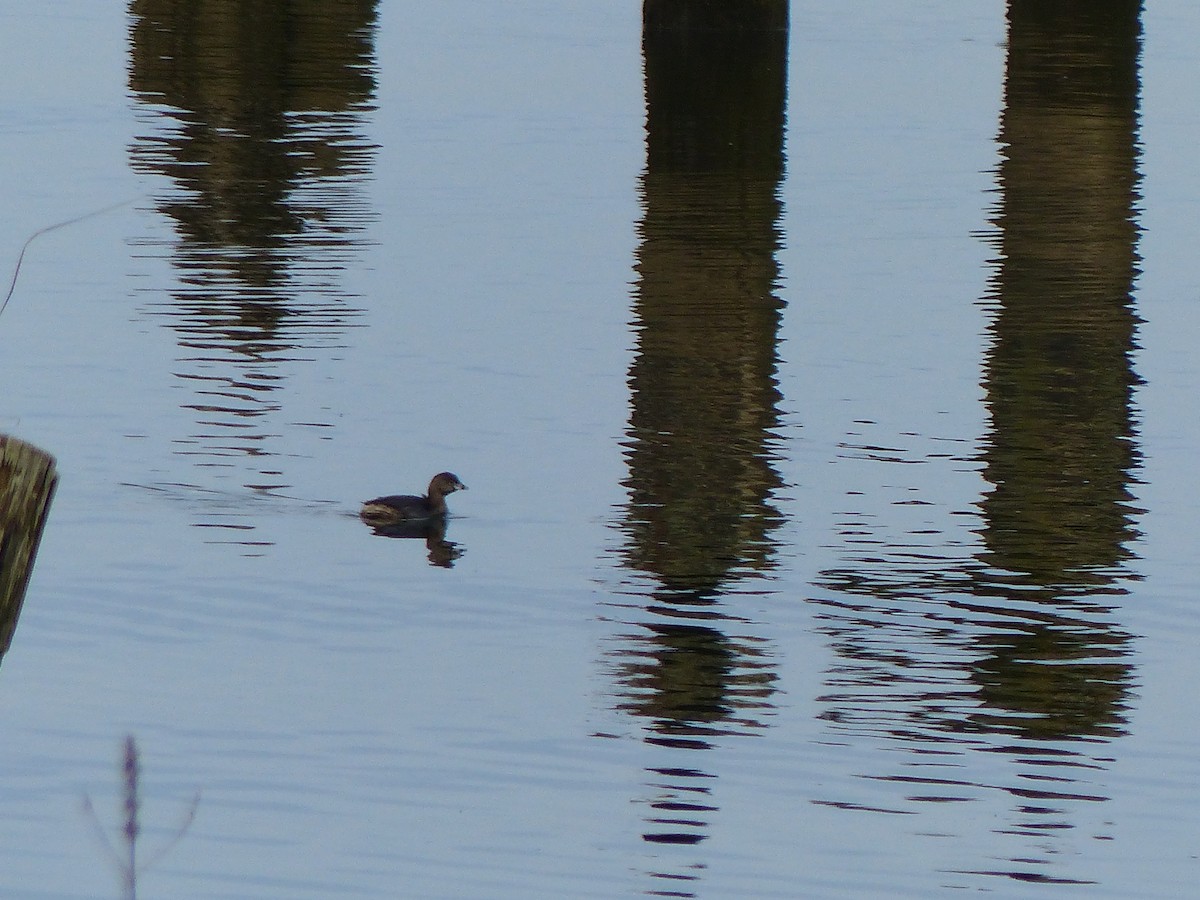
pixel 441 552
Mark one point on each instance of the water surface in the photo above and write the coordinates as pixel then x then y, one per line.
pixel 824 393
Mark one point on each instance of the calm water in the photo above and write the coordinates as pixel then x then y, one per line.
pixel 826 401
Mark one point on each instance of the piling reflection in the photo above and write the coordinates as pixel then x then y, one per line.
pixel 697 528
pixel 1013 646
pixel 254 112
pixel 1060 380
pixel 27 480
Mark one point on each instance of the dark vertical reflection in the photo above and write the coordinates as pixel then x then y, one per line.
pixel 27 480
pixel 1059 377
pixel 703 391
pixel 1016 650
pixel 254 111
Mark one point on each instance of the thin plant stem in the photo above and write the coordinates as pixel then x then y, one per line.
pixel 125 859
pixel 12 285
pixel 130 769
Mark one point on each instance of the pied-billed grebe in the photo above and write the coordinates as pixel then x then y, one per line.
pixel 408 507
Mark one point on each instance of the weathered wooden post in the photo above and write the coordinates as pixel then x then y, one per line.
pixel 27 482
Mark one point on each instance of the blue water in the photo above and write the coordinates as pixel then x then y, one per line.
pixel 837 547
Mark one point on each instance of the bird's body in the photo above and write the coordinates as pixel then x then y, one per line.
pixel 399 508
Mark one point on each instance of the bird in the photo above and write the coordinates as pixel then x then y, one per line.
pixel 399 508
